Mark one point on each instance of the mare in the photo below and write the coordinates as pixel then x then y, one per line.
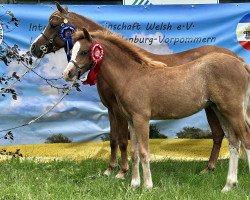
pixel 145 89
pixel 49 41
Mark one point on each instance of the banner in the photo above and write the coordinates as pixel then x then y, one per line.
pixel 165 2
pixel 81 115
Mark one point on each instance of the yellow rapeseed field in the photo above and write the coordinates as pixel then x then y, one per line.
pixel 177 149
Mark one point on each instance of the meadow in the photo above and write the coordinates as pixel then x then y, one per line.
pixel 28 179
pixel 66 179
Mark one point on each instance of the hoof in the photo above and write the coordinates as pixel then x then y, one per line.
pixel 135 183
pixel 228 187
pixel 107 172
pixel 148 186
pixel 207 170
pixel 204 171
pixel 120 175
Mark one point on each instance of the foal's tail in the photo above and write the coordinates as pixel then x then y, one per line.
pixel 247 100
pixel 247 67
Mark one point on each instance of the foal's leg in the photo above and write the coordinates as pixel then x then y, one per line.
pixel 122 134
pixel 243 133
pixel 248 156
pixel 136 181
pixel 230 126
pixel 246 145
pixel 141 128
pixel 113 144
pixel 240 133
pixel 233 167
pixel 217 134
pixel 118 136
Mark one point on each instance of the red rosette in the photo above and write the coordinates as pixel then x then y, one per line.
pixel 96 55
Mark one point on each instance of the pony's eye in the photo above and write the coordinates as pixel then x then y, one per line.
pixel 53 25
pixel 85 52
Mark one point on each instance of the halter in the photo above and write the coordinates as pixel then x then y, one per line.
pixel 96 55
pixel 44 48
pixel 88 65
pixel 65 34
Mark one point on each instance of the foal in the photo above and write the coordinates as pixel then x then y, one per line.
pixel 146 89
pixel 49 41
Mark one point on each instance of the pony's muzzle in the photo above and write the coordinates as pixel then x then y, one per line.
pixel 35 51
pixel 32 48
pixel 69 73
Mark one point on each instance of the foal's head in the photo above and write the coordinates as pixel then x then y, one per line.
pixel 80 61
pixel 88 53
pixel 49 40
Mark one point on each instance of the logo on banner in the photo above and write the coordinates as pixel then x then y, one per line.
pixel 1 33
pixel 243 32
pixel 162 2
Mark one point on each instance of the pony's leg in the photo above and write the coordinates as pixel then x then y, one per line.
pixel 248 156
pixel 230 126
pixel 240 133
pixel 136 181
pixel 113 144
pixel 243 133
pixel 233 168
pixel 141 128
pixel 123 144
pixel 217 134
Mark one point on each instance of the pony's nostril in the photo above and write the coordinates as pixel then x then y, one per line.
pixel 70 74
pixel 33 46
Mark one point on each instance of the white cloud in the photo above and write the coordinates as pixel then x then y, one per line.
pixel 50 67
pixel 53 64
pixel 14 106
pixel 48 91
pixel 61 107
pixel 27 104
pixel 14 66
pixel 151 43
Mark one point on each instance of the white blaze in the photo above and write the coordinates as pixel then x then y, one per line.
pixel 75 50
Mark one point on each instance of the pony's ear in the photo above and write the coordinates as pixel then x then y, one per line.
pixel 86 34
pixel 61 9
pixel 66 9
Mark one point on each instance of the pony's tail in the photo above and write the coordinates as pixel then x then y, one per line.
pixel 247 67
pixel 247 101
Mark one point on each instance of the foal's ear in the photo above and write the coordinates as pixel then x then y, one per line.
pixel 61 9
pixel 86 34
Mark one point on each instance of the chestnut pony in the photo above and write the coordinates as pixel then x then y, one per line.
pixel 145 89
pixel 49 41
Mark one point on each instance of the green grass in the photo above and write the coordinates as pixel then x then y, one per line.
pixel 83 180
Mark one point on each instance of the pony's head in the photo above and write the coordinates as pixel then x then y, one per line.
pixel 81 60
pixel 51 39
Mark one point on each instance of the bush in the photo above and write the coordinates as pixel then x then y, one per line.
pixel 58 138
pixel 105 137
pixel 154 132
pixel 194 133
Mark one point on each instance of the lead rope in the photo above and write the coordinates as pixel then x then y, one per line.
pixel 42 115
